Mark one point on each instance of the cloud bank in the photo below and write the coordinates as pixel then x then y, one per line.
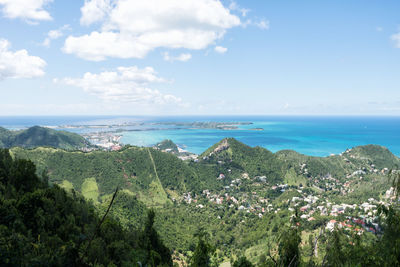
pixel 125 84
pixel 131 29
pixel 30 10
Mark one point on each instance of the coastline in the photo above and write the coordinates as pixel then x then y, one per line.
pixel 310 135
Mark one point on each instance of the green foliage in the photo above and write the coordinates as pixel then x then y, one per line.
pixel 45 226
pixel 236 155
pixel 89 189
pixel 67 185
pixel 150 178
pixel 242 262
pixel 167 145
pixel 38 136
pixel 379 155
pixel 288 249
pixel 157 253
pixel 127 209
pixel 131 169
pixel 202 254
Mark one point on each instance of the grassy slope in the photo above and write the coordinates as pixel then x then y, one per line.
pixel 90 189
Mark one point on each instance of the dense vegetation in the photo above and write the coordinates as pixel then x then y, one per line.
pixel 198 228
pixel 42 225
pixel 38 136
pixel 168 145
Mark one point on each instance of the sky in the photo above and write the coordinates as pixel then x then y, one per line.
pixel 199 57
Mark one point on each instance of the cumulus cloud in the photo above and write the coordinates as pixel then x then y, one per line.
pixel 220 49
pixel 182 57
pixel 55 34
pixel 396 39
pixel 94 11
pixel 19 64
pixel 125 84
pixel 30 10
pixel 131 29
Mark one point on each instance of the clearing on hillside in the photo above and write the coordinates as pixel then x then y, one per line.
pixel 67 185
pixel 90 190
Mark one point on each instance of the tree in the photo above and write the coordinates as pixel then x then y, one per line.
pixel 202 254
pixel 242 262
pixel 157 252
pixel 288 249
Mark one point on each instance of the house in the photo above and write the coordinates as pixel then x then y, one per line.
pixel 294 199
pixel 304 208
pixel 304 216
pixel 331 225
pixel 262 179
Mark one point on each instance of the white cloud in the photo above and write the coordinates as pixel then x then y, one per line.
pixel 396 39
pixel 379 29
pixel 55 34
pixel 126 84
pixel 235 7
pixel 182 57
pixel 30 10
pixel 94 11
pixel 220 49
pixel 19 64
pixel 262 24
pixel 131 29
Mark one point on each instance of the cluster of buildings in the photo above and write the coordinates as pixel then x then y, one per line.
pixel 311 204
pixel 105 140
pixel 233 197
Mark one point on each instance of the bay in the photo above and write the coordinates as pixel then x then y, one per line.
pixel 316 136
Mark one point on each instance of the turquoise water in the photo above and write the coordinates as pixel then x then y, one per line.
pixel 318 136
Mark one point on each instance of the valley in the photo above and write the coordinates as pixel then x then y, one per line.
pixel 242 196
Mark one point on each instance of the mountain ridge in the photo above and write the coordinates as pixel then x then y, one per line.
pixel 37 136
pixel 239 193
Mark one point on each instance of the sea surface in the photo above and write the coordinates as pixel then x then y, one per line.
pixel 316 136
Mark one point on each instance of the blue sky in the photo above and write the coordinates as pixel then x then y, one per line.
pixel 205 57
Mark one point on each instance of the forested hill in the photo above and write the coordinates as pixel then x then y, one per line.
pixel 241 196
pixel 42 225
pixel 39 136
pixel 157 177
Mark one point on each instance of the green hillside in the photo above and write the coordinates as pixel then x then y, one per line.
pixel 131 168
pixel 239 194
pixel 42 225
pixel 154 176
pixel 167 145
pixel 237 156
pixel 39 136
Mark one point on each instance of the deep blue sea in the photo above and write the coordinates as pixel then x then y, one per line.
pixel 317 136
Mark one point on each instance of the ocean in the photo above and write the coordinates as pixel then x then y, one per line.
pixel 315 136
